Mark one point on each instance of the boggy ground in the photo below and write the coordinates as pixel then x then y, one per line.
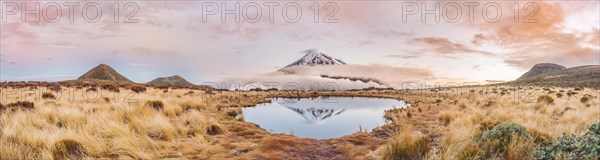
pixel 42 121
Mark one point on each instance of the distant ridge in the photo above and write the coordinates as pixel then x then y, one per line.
pixel 105 73
pixel 580 76
pixel 542 68
pixel 175 80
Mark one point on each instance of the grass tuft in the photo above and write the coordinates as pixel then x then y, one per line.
pixel 406 146
pixel 157 105
pixel 68 149
pixel 214 130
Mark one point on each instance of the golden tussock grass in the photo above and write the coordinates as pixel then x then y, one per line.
pixel 407 146
pixel 149 123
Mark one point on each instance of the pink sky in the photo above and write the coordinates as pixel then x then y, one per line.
pixel 171 38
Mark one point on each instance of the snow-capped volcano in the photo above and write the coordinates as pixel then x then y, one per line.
pixel 315 115
pixel 315 57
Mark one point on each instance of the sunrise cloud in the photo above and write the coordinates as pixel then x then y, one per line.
pixel 365 33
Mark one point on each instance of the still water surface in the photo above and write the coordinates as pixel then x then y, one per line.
pixel 322 117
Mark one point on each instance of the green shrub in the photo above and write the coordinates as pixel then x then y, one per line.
pixel 495 142
pixel 504 131
pixel 570 147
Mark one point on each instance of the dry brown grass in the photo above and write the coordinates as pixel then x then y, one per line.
pixel 206 124
pixel 407 146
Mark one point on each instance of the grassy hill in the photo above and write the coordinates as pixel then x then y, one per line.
pixel 581 76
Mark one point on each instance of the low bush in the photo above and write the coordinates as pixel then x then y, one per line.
pixel 189 93
pixel 504 131
pixel 111 88
pixel 545 99
pixel 91 90
pixel 584 99
pixel 569 147
pixel 48 96
pixel 138 89
pixel 505 140
pixel 157 105
pixel 256 89
pixel 21 105
pixel 55 88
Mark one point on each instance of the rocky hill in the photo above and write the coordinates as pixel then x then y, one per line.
pixel 581 76
pixel 170 81
pixel 104 72
pixel 541 68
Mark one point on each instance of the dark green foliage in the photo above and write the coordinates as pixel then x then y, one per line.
pixel 493 143
pixel 503 132
pixel 570 147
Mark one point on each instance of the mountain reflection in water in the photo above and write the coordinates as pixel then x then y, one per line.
pixel 321 117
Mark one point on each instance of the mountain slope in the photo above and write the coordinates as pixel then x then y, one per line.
pixel 315 57
pixel 170 81
pixel 105 73
pixel 581 76
pixel 542 68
